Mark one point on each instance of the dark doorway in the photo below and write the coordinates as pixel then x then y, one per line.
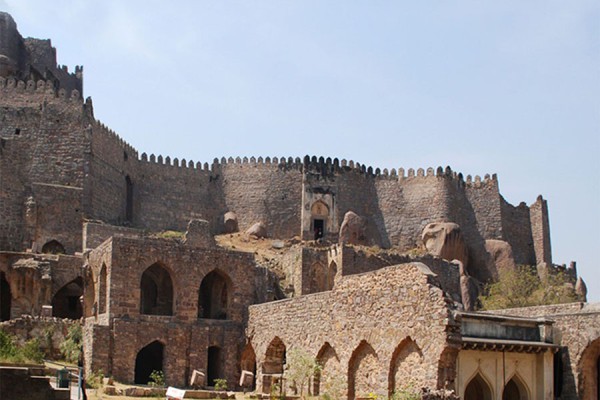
pixel 213 367
pixel 149 359
pixel 598 378
pixel 478 389
pixel 5 298
pixel 213 298
pixel 53 247
pixel 129 199
pixel 65 303
pixel 319 226
pixel 156 291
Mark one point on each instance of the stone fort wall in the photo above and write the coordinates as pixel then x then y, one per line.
pixel 53 139
pixel 399 336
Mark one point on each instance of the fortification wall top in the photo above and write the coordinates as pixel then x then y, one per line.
pixel 18 92
pixel 325 166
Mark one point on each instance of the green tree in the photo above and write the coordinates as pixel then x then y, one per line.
pixel 302 367
pixel 522 287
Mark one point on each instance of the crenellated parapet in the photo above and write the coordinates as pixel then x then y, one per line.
pixel 102 129
pixel 41 90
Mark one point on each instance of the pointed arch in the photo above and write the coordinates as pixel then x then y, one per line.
pixel 363 360
pixel 331 273
pixel 5 298
pixel 478 389
pixel 214 296
pixel 66 302
pixel 156 291
pixel 330 367
pixel 406 366
pixel 248 363
pixel 589 365
pixel 102 290
pixel 53 247
pixel 148 359
pixel 515 389
pixel 319 212
pixel 272 367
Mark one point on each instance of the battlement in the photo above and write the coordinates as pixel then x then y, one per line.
pixel 112 135
pixel 324 166
pixel 38 90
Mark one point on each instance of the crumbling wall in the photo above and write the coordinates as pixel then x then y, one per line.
pixel 381 310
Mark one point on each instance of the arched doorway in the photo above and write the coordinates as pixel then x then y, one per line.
pixel 156 291
pixel 66 302
pixel 248 363
pixel 589 365
pixel 214 365
pixel 148 359
pixel 213 297
pixel 361 379
pixel 102 290
pixel 478 389
pixel 53 247
pixel 331 273
pixel 515 390
pixel 272 368
pixel 330 366
pixel 407 360
pixel 5 298
pixel 319 214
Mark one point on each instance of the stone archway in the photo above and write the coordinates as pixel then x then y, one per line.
pixel 323 381
pixel 272 367
pixel 515 389
pixel 589 367
pixel 148 359
pixel 66 302
pixel 214 296
pixel 406 367
pixel 478 389
pixel 248 363
pixel 362 371
pixel 156 297
pixel 319 217
pixel 53 247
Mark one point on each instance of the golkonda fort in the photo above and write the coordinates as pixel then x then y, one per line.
pixel 270 276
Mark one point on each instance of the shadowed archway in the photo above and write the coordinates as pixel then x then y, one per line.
pixel 148 359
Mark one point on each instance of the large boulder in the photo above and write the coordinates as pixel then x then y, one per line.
pixel 198 234
pixel 581 289
pixel 445 240
pixel 353 229
pixel 230 222
pixel 258 230
pixel 500 256
pixel 469 289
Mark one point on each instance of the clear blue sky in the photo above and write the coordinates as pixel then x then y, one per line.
pixel 506 87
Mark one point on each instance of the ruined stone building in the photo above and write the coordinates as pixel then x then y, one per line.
pixel 375 273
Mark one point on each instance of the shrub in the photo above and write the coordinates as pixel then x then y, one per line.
pixel 157 379
pixel 220 384
pixel 12 353
pixel 71 347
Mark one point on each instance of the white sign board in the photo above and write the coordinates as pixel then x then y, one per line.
pixel 174 393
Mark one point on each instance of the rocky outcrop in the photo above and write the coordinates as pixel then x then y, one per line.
pixel 258 230
pixel 353 229
pixel 500 256
pixel 198 234
pixel 445 240
pixel 230 222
